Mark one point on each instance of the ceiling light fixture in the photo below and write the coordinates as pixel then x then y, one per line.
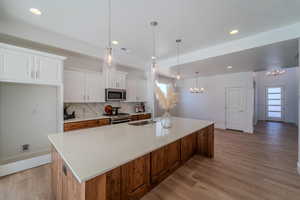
pixel 233 32
pixel 35 11
pixel 178 41
pixel 275 72
pixel 115 42
pixel 154 57
pixel 196 88
pixel 229 67
pixel 108 56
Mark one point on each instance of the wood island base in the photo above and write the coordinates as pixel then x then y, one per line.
pixel 132 180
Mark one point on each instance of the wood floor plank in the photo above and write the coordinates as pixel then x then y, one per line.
pixel 246 166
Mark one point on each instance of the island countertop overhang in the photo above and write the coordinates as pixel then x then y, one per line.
pixel 95 151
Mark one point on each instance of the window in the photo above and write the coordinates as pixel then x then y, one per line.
pixel 274 103
pixel 163 87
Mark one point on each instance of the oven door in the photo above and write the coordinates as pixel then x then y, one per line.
pixel 113 95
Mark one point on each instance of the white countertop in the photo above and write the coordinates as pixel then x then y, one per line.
pixel 95 151
pixel 97 117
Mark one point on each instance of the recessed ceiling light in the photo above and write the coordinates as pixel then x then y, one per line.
pixel 229 67
pixel 233 32
pixel 35 11
pixel 115 42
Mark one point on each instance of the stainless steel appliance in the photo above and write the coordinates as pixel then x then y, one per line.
pixel 119 118
pixel 115 94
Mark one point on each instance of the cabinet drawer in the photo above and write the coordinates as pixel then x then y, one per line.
pixel 91 123
pixel 144 116
pixel 134 117
pixel 74 126
pixel 103 122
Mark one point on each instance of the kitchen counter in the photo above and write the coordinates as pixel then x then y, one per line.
pixel 97 117
pixel 91 152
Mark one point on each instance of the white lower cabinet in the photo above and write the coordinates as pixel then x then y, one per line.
pixel 22 65
pixel 136 90
pixel 81 87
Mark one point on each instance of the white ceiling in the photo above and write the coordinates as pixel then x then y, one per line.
pixel 275 56
pixel 200 23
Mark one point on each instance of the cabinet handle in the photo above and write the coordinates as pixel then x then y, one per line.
pixel 64 169
pixel 32 74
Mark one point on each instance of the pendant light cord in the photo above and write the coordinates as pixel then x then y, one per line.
pixel 109 23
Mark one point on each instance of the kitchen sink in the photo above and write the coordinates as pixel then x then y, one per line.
pixel 142 123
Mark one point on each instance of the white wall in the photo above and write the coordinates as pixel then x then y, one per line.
pixel 28 114
pixel 289 81
pixel 211 104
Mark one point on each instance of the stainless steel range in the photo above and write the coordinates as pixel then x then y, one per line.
pixel 119 118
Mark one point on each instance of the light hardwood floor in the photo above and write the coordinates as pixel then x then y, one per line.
pixel 246 166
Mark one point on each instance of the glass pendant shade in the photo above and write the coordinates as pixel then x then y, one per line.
pixel 108 57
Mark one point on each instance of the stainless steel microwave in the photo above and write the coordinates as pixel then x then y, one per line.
pixel 115 95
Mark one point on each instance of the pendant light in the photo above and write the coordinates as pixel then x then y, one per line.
pixel 153 58
pixel 178 41
pixel 108 56
pixel 195 88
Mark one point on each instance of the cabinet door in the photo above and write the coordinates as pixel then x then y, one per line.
pixel 71 188
pixel 131 90
pixel 94 87
pixel 48 69
pixel 141 90
pixel 173 155
pixel 188 146
pixel 135 178
pixel 16 66
pixel 113 184
pixel 158 165
pixel 56 175
pixel 74 86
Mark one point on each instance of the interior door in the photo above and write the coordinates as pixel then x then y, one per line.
pixel 235 108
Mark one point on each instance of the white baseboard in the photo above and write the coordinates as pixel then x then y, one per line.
pixel 21 165
pixel 298 167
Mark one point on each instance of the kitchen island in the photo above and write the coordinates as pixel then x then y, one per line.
pixel 123 161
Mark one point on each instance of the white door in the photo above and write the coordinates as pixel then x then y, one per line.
pixel 95 91
pixel 16 66
pixel 48 70
pixel 274 103
pixel 235 108
pixel 74 86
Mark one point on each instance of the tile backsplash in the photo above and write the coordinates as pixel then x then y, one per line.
pixel 87 110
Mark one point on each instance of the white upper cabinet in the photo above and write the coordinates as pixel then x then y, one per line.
pixel 136 90
pixel 74 86
pixel 81 87
pixel 22 65
pixel 16 65
pixel 48 70
pixel 94 86
pixel 115 79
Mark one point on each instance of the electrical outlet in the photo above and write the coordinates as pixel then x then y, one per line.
pixel 25 147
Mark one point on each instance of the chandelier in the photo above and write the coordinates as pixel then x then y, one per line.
pixel 275 72
pixel 196 88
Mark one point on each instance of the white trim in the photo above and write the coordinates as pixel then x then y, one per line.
pixel 24 164
pixel 298 167
pixel 25 50
pixel 260 39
